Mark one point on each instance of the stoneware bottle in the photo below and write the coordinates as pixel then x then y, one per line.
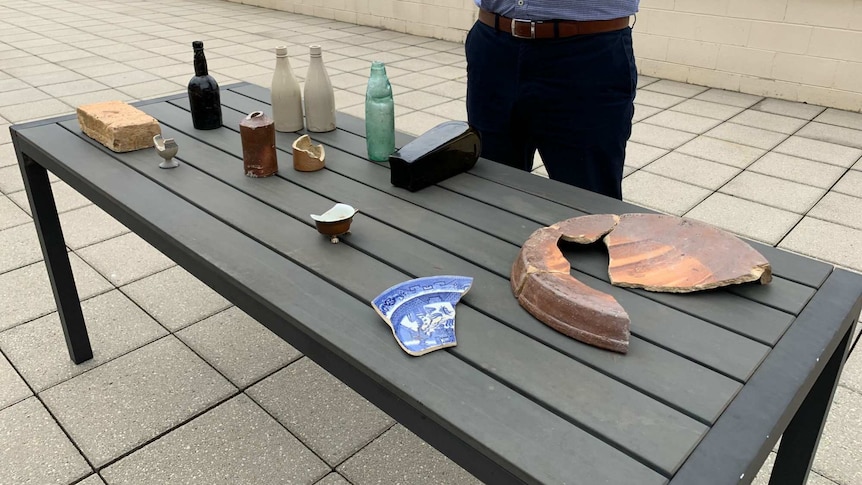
pixel 203 91
pixel 257 133
pixel 379 115
pixel 319 96
pixel 286 94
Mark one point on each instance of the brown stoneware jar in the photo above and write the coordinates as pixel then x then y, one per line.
pixel 258 145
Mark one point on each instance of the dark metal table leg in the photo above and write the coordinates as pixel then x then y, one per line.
pixel 47 222
pixel 800 439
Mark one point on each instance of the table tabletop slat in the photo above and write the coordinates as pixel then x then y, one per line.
pixel 235 263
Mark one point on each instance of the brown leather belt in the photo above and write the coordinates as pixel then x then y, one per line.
pixel 549 29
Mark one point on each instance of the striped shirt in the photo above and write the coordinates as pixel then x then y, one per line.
pixel 560 9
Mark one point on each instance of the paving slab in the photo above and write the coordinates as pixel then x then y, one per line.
pixel 693 170
pixel 20 247
pixel 847 119
pixel 789 108
pixel 763 476
pixel 675 88
pixel 7 154
pixel 827 241
pixel 643 112
pixel 115 325
pixel 708 109
pixel 797 169
pixel 452 110
pixel 326 415
pixel 774 192
pixel 658 136
pixel 14 387
pixel 92 480
pixel 449 89
pixel 18 113
pixel 839 455
pixel 25 293
pixel 420 99
pixel 683 121
pixel 125 258
pixel 773 122
pixel 657 100
pixel 850 184
pixel 35 450
pixel 234 443
pixel 239 347
pixel 745 218
pixel 644 81
pixel 10 179
pixel 722 151
pixel 175 298
pixel 128 401
pixel 851 375
pixel 65 197
pixel 399 456
pixel 333 479
pixel 840 209
pixel 25 95
pixel 821 151
pixel 732 98
pixel 639 155
pixel 828 133
pixel 747 135
pixel 417 122
pixel 89 225
pixel 73 87
pixel 661 193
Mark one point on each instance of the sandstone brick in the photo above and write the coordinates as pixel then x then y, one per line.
pixel 117 125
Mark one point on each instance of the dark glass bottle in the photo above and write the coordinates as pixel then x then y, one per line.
pixel 204 93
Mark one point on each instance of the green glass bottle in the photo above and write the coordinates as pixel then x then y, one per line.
pixel 379 115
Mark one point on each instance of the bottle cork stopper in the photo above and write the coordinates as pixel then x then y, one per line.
pixel 314 50
pixel 281 51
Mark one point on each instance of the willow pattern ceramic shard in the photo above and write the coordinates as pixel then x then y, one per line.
pixel 421 312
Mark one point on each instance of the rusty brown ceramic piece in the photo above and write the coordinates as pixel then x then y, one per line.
pixel 307 157
pixel 651 251
pixel 257 132
pixel 574 309
pixel 671 254
pixel 542 282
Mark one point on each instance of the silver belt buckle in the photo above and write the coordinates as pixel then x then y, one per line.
pixel 532 28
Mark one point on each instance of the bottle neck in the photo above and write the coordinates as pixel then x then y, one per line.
pixel 200 63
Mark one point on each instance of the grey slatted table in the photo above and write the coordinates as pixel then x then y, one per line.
pixel 710 383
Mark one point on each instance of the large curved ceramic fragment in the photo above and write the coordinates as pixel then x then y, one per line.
pixel 421 312
pixel 574 309
pixel 671 254
pixel 541 280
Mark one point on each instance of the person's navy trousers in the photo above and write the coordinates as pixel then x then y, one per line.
pixel 570 98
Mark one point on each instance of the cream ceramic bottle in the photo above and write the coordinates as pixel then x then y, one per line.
pixel 319 96
pixel 286 94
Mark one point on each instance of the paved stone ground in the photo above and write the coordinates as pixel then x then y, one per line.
pixel 179 374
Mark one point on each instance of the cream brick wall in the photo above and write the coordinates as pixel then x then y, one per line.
pixel 800 50
pixel 440 19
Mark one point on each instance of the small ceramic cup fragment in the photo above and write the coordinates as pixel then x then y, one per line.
pixel 335 222
pixel 307 157
pixel 167 149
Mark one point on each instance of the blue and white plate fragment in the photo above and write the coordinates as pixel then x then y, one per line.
pixel 421 312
